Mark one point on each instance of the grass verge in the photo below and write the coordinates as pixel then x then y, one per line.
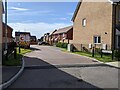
pixel 16 62
pixel 105 58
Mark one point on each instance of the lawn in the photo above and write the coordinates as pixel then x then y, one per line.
pixel 16 62
pixel 105 58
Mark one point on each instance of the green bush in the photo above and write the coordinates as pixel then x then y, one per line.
pixel 64 45
pixel 61 45
pixel 117 54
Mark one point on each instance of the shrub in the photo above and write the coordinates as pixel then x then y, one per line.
pixel 59 44
pixel 62 45
pixel 117 54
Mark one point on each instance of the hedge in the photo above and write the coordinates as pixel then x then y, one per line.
pixel 62 45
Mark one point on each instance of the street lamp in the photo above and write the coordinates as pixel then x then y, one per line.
pixel 6 45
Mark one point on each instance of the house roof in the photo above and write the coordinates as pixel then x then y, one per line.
pixel 76 10
pixel 2 8
pixel 79 4
pixel 52 32
pixel 63 30
pixel 7 26
pixel 18 33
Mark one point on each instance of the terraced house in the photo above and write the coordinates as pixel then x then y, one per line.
pixel 96 24
pixel 63 35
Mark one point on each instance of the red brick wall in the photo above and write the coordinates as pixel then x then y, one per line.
pixel 70 34
pixel 9 34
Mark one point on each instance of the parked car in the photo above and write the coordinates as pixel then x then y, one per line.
pixel 42 43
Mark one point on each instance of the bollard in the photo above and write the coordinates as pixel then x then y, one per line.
pixel 112 54
pixel 15 53
pixel 101 53
pixel 6 55
pixel 93 51
pixel 19 49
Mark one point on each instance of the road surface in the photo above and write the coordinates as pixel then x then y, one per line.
pixel 63 77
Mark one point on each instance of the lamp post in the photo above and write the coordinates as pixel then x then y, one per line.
pixel 6 45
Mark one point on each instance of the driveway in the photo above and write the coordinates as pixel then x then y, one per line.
pixel 49 76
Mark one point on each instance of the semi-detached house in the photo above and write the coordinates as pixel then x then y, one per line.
pixel 96 24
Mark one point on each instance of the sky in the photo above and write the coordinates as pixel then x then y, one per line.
pixel 40 17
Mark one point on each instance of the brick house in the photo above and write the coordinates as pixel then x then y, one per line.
pixel 46 38
pixel 63 35
pixel 51 34
pixel 9 34
pixel 96 24
pixel 33 40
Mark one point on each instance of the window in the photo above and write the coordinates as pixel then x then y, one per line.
pixel 119 15
pixel 97 39
pixel 84 22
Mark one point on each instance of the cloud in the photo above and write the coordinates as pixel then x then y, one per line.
pixel 63 18
pixel 19 9
pixel 37 29
pixel 28 12
pixel 71 14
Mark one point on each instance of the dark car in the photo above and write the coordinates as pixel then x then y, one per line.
pixel 42 43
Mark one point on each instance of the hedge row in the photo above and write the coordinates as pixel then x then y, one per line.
pixel 62 45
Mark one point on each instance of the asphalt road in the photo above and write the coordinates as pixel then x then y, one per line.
pixel 64 77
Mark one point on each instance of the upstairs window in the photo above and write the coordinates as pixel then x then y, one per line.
pixel 97 39
pixel 84 22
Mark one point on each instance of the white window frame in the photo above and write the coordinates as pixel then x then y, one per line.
pixel 84 22
pixel 97 39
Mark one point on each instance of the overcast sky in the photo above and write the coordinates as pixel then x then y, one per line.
pixel 40 17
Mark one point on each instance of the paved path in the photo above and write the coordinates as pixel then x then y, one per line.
pixel 93 77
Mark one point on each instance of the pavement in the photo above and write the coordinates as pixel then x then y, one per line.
pixel 114 64
pixel 9 72
pixel 41 71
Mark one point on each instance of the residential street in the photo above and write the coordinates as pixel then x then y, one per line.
pixel 41 71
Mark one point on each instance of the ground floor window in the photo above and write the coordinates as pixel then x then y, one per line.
pixel 97 39
pixel 118 41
